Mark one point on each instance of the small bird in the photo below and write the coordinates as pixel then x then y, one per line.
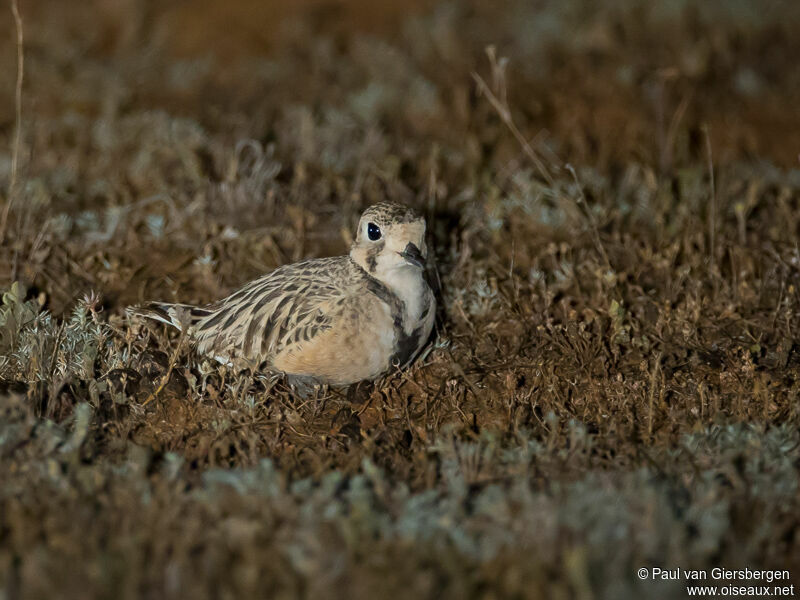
pixel 337 320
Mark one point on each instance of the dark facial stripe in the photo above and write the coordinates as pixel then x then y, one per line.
pixel 372 256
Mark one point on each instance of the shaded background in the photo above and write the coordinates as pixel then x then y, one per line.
pixel 108 81
pixel 612 195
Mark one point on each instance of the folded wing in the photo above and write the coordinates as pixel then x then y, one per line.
pixel 292 304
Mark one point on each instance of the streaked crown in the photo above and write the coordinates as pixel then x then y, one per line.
pixel 390 213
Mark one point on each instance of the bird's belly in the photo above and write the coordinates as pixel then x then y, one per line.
pixel 359 348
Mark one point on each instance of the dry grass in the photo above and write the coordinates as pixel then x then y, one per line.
pixel 613 379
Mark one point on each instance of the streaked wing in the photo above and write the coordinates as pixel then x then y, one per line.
pixel 292 304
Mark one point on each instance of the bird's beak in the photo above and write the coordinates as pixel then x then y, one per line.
pixel 413 256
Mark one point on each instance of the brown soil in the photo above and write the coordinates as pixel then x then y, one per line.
pixel 613 215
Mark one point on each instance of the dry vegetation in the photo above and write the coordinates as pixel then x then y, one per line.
pixel 613 382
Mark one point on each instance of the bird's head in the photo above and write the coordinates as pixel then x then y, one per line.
pixel 390 236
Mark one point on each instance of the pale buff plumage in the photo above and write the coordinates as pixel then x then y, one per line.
pixel 333 320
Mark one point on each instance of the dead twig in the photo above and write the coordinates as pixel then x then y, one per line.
pixel 712 219
pixel 172 361
pixel 504 112
pixel 590 217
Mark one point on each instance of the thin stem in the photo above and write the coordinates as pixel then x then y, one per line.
pixel 712 221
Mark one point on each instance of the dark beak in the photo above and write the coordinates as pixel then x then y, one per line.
pixel 413 256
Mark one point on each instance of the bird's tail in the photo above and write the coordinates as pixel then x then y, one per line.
pixel 175 315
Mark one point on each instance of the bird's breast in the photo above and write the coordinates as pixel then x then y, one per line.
pixel 412 292
pixel 415 311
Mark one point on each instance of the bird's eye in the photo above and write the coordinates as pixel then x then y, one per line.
pixel 373 232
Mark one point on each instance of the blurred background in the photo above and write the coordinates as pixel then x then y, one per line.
pixel 604 78
pixel 612 195
pixel 124 99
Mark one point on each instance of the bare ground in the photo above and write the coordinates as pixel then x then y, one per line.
pixel 613 379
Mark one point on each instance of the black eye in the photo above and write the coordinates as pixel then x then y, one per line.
pixel 373 232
